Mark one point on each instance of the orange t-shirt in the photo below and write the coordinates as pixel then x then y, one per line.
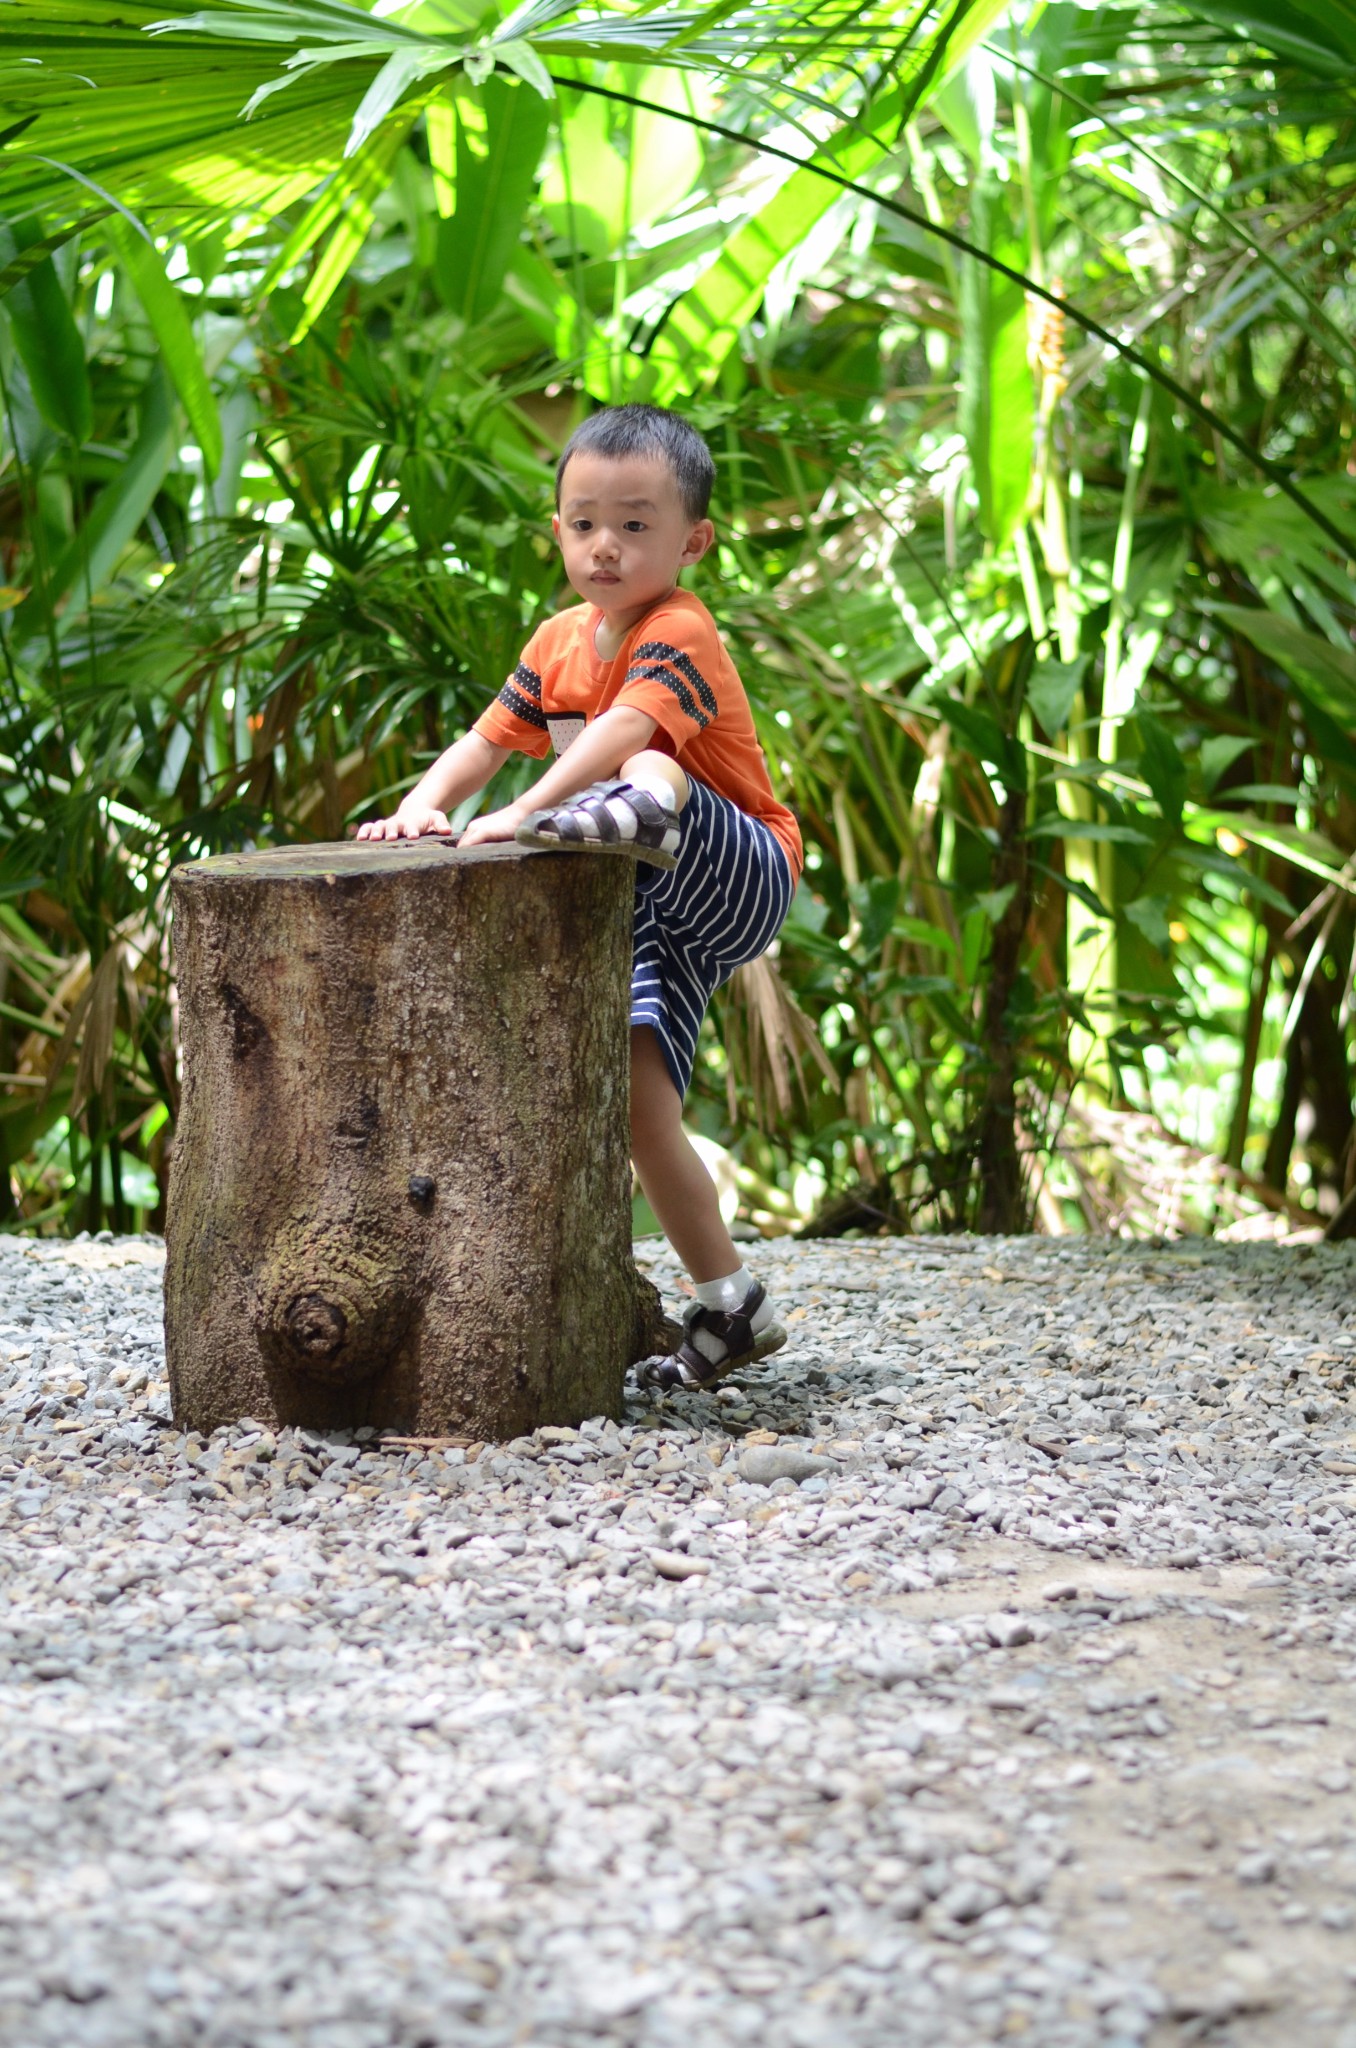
pixel 672 666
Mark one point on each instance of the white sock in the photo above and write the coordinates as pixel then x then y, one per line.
pixel 726 1296
pixel 659 787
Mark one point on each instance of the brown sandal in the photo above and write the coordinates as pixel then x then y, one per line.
pixel 688 1367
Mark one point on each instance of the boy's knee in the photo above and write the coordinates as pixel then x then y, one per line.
pixel 651 770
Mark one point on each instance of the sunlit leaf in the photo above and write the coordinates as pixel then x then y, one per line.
pixel 496 173
pixel 164 307
pixel 998 399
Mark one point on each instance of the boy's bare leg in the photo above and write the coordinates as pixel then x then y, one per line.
pixel 731 1321
pixel 677 1186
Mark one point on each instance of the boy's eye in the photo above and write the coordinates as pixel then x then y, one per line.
pixel 635 526
pixel 581 525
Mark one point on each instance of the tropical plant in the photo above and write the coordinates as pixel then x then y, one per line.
pixel 1023 341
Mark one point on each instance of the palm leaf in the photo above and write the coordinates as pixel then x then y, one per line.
pixel 1317 35
pixel 1319 669
pixel 1319 321
pixel 1148 364
pixel 152 107
pixel 48 342
pixel 164 307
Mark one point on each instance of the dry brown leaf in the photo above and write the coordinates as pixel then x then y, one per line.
pixel 100 1017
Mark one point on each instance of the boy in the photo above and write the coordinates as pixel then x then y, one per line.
pixel 656 758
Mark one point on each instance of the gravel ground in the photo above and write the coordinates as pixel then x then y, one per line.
pixel 1018 1706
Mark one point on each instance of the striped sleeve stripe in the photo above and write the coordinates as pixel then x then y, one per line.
pixel 528 681
pixel 512 699
pixel 659 650
pixel 646 671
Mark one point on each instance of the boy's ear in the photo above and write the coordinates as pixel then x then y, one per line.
pixel 699 540
pixel 555 526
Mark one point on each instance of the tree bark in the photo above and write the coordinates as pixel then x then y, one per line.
pixel 399 1192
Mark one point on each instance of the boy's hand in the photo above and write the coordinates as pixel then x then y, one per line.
pixel 495 826
pixel 411 821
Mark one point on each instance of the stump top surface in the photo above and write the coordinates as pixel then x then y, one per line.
pixel 347 857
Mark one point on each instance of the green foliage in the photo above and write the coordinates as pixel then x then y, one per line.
pixel 1162 766
pixel 47 340
pixel 1028 370
pixel 497 157
pixel 997 395
pixel 173 331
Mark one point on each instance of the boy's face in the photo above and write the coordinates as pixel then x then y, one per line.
pixel 623 531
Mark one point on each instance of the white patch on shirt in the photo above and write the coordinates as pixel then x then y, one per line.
pixel 564 728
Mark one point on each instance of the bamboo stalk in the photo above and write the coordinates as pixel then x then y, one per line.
pixel 1247 1071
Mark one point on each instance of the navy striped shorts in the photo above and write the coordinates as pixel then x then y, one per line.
pixel 720 907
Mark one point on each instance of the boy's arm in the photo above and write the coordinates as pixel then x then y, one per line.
pixel 597 754
pixel 461 771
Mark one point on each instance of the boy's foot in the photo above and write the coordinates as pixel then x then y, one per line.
pixel 610 817
pixel 716 1341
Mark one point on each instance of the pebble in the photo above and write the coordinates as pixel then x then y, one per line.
pixel 765 1464
pixel 671 1564
pixel 961 1673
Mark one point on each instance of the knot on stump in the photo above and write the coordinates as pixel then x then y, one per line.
pixel 329 1313
pixel 316 1327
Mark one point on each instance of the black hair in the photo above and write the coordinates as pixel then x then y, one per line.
pixel 623 430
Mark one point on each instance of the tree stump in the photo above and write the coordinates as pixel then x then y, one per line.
pixel 399 1189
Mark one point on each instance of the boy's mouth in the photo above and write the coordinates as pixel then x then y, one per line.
pixel 604 576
